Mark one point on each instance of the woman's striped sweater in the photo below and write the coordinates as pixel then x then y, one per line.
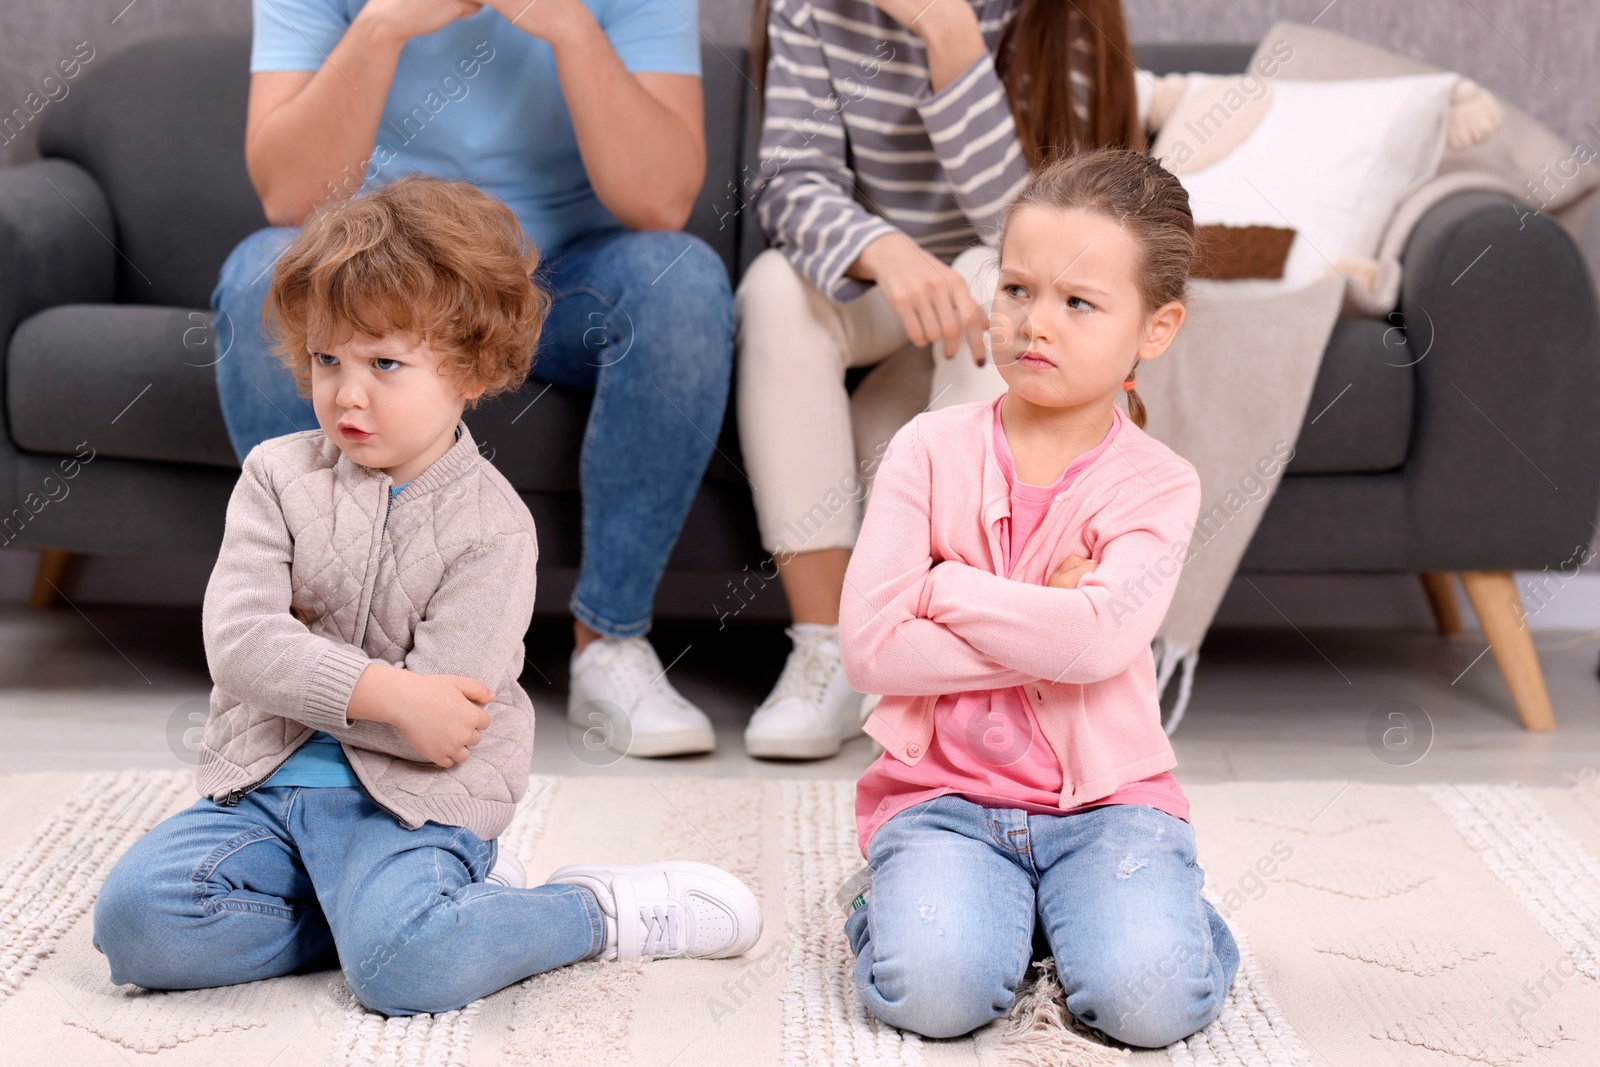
pixel 855 144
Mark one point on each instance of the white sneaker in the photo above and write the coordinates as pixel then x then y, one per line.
pixel 507 871
pixel 619 685
pixel 812 710
pixel 658 910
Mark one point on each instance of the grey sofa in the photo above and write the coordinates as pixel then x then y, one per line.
pixel 110 245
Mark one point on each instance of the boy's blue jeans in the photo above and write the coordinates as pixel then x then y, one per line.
pixel 948 930
pixel 299 879
pixel 644 319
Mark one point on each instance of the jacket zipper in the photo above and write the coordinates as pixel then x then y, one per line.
pixel 366 619
pixel 234 796
pixel 380 804
pixel 361 639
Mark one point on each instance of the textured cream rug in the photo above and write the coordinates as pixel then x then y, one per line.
pixel 1427 925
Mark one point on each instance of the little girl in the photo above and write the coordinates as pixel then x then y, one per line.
pixel 1014 564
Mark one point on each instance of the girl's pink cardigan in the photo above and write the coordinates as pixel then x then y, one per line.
pixel 925 611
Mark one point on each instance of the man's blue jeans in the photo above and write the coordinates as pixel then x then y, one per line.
pixel 298 879
pixel 948 930
pixel 644 319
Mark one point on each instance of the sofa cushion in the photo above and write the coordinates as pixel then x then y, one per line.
pixel 121 378
pixel 138 383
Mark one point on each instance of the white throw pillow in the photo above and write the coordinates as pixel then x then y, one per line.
pixel 1329 159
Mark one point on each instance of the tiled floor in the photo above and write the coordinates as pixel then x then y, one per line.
pixel 118 687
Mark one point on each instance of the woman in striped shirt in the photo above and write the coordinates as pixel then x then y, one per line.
pixel 894 133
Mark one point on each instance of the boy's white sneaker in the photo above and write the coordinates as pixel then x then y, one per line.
pixel 659 910
pixel 507 871
pixel 812 710
pixel 622 676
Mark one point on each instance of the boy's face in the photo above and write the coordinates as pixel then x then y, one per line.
pixel 1068 320
pixel 386 402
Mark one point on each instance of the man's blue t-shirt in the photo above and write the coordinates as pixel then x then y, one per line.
pixel 479 101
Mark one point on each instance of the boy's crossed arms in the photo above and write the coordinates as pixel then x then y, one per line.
pixel 428 709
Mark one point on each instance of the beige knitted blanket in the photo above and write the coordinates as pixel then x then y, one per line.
pixel 1380 924
pixel 1230 395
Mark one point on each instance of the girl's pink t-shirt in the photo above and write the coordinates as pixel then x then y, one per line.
pixel 986 744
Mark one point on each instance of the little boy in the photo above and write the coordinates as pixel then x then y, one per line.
pixel 368 739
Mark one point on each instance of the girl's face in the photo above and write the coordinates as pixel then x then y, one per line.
pixel 1068 322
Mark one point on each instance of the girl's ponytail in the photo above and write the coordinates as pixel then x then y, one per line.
pixel 1135 405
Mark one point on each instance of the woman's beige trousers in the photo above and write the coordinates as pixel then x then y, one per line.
pixel 810 447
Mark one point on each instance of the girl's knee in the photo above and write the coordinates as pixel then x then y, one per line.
pixel 1146 1007
pixel 944 998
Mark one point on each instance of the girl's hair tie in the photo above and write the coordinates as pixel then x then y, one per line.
pixel 1127 386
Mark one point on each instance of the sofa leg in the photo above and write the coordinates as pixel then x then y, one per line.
pixel 1494 597
pixel 52 565
pixel 1441 589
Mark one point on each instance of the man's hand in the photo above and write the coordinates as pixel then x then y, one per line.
pixel 439 714
pixel 544 19
pixel 1071 570
pixel 405 19
pixel 932 300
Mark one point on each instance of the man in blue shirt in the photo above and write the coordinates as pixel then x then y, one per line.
pixel 584 117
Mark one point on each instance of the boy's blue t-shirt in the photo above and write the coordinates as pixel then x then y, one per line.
pixel 478 100
pixel 320 761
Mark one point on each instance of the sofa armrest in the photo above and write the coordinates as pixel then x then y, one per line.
pixel 1499 312
pixel 56 235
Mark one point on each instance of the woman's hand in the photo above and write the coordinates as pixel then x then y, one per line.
pixel 932 300
pixel 1071 570
pixel 949 30
pixel 438 714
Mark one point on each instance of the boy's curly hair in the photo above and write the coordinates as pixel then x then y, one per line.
pixel 440 259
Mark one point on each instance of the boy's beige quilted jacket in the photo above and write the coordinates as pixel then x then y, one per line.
pixel 320 573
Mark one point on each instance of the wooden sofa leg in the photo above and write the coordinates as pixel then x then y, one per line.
pixel 1441 589
pixel 1494 597
pixel 52 565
